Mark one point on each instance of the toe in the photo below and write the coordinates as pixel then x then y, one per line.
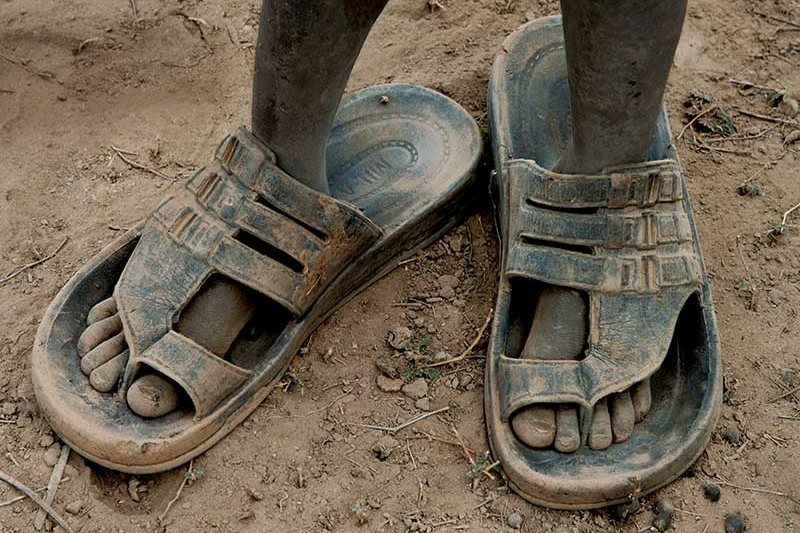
pixel 622 416
pixel 600 432
pixel 568 437
pixel 152 396
pixel 98 332
pixel 102 353
pixel 104 309
pixel 642 400
pixel 535 426
pixel 105 377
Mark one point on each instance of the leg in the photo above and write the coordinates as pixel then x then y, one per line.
pixel 619 53
pixel 305 53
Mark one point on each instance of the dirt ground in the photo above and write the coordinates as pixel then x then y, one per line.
pixel 78 77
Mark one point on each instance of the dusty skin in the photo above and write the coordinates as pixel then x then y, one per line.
pixel 165 92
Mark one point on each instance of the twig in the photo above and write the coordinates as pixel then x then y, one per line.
pixel 469 455
pixel 85 43
pixel 352 461
pixel 778 19
pixel 469 348
pixel 186 477
pixel 428 436
pixel 134 164
pixel 410 455
pixel 702 113
pixel 52 487
pixel 746 137
pixel 35 499
pixel 20 498
pixel 784 395
pixel 19 270
pixel 406 423
pixel 756 489
pixel 749 84
pixel 784 417
pixel 783 221
pixel 310 412
pixel 134 9
pixel 766 117
pixel 461 443
pixel 285 497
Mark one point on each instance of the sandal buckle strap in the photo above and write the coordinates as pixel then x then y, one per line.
pixel 639 186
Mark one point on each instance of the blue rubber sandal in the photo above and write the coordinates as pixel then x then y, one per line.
pixel 402 166
pixel 626 239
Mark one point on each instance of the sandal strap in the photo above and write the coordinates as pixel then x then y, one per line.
pixel 206 378
pixel 642 229
pixel 640 268
pixel 640 273
pixel 621 352
pixel 244 218
pixel 640 185
pixel 320 234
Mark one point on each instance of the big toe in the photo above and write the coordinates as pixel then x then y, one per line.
pixel 98 332
pixel 622 416
pixel 152 396
pixel 535 426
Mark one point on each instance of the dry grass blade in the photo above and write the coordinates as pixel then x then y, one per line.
pixel 121 154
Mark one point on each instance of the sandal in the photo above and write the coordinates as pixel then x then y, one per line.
pixel 626 239
pixel 402 166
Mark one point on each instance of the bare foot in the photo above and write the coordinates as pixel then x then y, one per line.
pixel 213 319
pixel 559 331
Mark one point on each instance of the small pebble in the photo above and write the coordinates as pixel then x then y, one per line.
pixel 664 511
pixel 52 454
pixel 46 441
pixel 416 389
pixel 665 506
pixel 398 337
pixel 711 491
pixel 515 520
pixel 423 404
pixel 438 357
pixel 788 106
pixel 256 495
pixel 387 369
pixel 732 436
pixel 74 507
pixel 662 522
pixel 735 523
pixel 383 448
pixel 389 385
